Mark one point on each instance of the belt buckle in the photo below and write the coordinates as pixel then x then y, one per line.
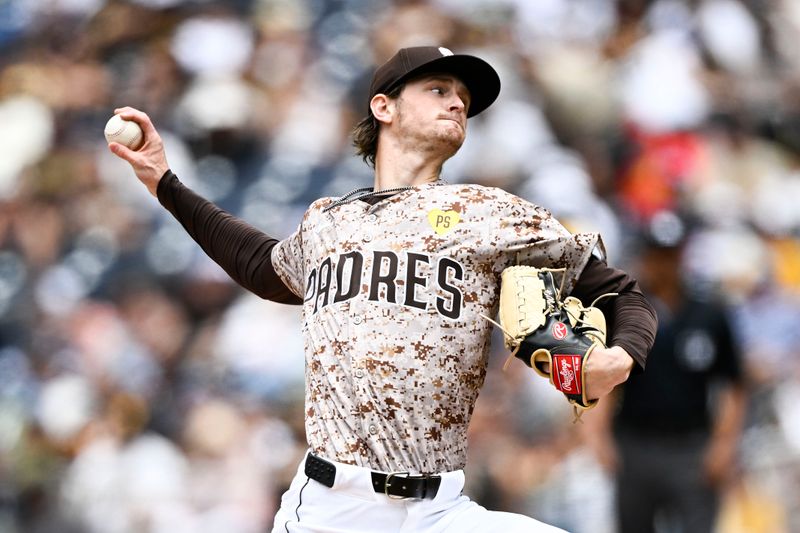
pixel 388 483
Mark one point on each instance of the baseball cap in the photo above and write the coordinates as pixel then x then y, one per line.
pixel 666 229
pixel 478 75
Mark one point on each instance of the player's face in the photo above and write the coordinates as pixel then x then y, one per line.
pixel 432 113
pixel 661 268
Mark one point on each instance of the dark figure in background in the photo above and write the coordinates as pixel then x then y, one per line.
pixel 671 440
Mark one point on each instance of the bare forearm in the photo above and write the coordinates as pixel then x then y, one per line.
pixel 729 419
pixel 721 452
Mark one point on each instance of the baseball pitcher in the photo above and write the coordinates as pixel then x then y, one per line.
pixel 395 280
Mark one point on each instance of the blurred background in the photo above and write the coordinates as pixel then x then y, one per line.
pixel 142 391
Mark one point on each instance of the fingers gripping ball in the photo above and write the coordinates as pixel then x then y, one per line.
pixel 551 335
pixel 125 132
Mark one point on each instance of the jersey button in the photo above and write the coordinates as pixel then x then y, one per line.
pixel 373 430
pixel 367 238
pixel 357 320
pixel 373 218
pixel 359 373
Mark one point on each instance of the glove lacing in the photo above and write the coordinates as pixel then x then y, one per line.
pixel 582 325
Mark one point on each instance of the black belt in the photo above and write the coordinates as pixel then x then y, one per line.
pixel 394 485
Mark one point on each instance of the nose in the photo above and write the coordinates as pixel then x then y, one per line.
pixel 457 104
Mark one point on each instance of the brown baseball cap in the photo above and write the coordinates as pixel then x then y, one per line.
pixel 478 75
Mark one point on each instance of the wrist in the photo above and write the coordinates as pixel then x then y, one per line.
pixel 629 361
pixel 624 360
pixel 159 175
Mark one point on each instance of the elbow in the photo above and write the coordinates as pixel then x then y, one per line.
pixel 281 297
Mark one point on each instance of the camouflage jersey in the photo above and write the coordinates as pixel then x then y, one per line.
pixel 396 350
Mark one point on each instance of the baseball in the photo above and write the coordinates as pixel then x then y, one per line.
pixel 125 132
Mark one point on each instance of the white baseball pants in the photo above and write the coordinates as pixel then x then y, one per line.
pixel 353 506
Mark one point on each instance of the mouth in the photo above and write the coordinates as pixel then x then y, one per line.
pixel 451 119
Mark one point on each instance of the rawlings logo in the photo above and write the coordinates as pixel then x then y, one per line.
pixel 568 366
pixel 567 375
pixel 559 331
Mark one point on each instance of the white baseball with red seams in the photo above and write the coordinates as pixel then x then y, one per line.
pixel 125 132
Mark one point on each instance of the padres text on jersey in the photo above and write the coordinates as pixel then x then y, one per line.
pixel 396 351
pixel 343 277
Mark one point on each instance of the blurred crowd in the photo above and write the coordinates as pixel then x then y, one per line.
pixel 142 391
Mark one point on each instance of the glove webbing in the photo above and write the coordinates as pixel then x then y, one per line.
pixel 581 326
pixel 555 303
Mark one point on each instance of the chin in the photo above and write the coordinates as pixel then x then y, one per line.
pixel 444 141
pixel 456 142
pixel 453 136
pixel 447 144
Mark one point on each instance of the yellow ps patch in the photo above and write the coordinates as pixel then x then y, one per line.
pixel 443 221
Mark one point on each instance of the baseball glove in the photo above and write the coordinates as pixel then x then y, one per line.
pixel 553 336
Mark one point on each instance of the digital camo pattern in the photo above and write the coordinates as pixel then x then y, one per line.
pixel 396 349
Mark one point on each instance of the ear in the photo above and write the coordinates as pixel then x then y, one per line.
pixel 382 108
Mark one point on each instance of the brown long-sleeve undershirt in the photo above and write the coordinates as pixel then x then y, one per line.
pixel 632 321
pixel 244 252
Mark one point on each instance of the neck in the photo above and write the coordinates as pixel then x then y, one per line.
pixel 402 169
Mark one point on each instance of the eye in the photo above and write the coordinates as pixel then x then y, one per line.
pixel 438 90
